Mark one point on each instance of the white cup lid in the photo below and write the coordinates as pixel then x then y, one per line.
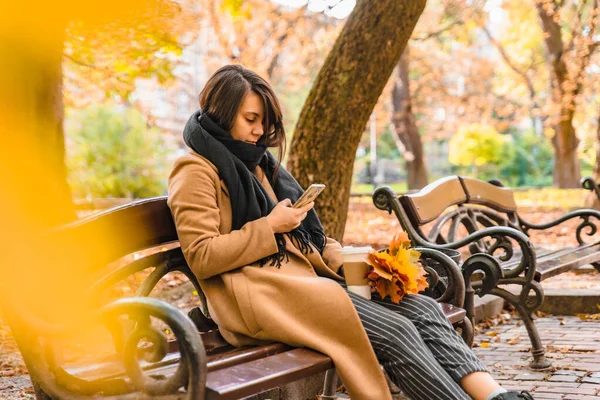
pixel 356 250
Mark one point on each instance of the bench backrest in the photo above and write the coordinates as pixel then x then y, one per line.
pixel 486 194
pixel 431 201
pixel 109 235
pixel 92 254
pixel 479 204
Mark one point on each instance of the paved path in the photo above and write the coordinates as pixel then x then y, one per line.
pixel 572 344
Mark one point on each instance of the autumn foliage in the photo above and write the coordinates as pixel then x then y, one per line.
pixel 396 271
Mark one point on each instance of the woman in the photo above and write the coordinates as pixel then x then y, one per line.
pixel 270 273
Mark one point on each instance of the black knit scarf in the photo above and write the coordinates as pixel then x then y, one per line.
pixel 235 161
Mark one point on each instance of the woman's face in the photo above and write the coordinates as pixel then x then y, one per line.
pixel 247 125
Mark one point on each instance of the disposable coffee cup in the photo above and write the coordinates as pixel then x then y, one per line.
pixel 355 270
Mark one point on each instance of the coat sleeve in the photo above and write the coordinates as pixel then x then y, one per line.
pixel 193 201
pixel 332 255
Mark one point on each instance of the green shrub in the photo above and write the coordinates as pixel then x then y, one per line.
pixel 530 163
pixel 476 145
pixel 111 152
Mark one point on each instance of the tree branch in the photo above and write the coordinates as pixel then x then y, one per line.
pixel 81 63
pixel 216 26
pixel 510 62
pixel 585 60
pixel 283 38
pixel 438 33
pixel 575 32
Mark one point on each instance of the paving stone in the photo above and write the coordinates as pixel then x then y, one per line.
pixel 563 378
pixel 516 387
pixel 568 372
pixel 595 375
pixel 548 396
pixel 559 384
pixel 587 366
pixel 531 376
pixel 590 380
pixel 590 386
pixel 578 391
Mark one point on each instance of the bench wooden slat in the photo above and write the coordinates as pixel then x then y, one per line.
pixel 480 192
pixel 131 227
pixel 433 199
pixel 454 314
pixel 541 254
pixel 220 355
pixel 240 356
pixel 241 380
pixel 578 258
pixel 229 356
pixel 553 262
pixel 266 373
pixel 104 367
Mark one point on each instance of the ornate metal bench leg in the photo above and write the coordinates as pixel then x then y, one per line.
pixel 466 331
pixel 538 351
pixel 39 393
pixel 525 309
pixel 330 385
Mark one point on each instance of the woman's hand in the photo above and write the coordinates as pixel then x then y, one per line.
pixel 283 218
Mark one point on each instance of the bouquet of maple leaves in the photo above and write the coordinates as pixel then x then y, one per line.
pixel 396 271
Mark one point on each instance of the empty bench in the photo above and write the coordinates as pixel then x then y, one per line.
pixel 481 217
pixel 195 362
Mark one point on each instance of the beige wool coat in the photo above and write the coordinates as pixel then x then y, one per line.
pixel 299 304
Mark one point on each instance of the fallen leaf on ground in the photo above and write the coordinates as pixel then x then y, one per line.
pixel 514 340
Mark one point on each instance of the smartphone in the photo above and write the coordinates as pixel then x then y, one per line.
pixel 310 195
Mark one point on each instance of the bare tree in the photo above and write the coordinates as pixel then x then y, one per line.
pixel 405 125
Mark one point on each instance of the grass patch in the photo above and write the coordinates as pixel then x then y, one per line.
pixel 551 198
pixel 369 189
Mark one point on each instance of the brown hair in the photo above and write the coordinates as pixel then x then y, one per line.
pixel 222 97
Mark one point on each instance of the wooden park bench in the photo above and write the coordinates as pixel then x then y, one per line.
pixel 482 217
pixel 197 363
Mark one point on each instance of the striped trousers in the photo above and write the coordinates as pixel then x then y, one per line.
pixel 416 345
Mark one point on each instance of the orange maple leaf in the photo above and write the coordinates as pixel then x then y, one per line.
pixel 398 271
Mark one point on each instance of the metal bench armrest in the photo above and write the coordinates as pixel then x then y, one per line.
pixel 584 214
pixel 455 291
pixel 52 379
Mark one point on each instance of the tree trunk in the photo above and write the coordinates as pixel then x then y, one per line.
pixel 592 200
pixel 35 195
pixel 338 106
pixel 406 126
pixel 567 168
pixel 37 181
pixel 567 171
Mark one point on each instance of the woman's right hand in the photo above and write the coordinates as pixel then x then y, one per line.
pixel 283 218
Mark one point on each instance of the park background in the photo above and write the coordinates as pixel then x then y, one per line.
pixel 476 91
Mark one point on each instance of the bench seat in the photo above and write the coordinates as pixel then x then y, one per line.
pixel 233 373
pixel 553 262
pixel 199 364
